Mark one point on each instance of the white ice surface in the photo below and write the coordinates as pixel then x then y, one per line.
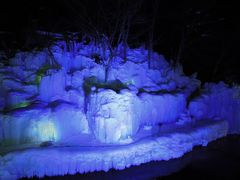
pixel 70 160
pixel 55 122
pixel 218 101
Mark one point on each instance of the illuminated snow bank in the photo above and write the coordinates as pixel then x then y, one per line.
pixel 70 160
pixel 218 101
pixel 85 109
pixel 117 116
pixel 35 85
pixel 40 123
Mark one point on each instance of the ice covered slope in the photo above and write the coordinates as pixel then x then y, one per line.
pixel 62 160
pixel 115 116
pixel 218 101
pixel 40 123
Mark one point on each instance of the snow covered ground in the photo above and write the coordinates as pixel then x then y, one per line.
pixel 70 160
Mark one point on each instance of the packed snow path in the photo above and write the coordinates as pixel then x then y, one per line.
pixel 52 161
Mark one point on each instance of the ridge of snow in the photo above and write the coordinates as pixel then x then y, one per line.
pixel 52 161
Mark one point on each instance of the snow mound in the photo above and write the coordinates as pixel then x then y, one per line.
pixel 112 100
pixel 218 101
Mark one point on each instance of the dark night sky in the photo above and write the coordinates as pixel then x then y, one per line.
pixel 213 28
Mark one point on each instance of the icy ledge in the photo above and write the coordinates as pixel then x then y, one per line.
pixel 70 160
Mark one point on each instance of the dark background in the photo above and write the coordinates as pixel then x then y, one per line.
pixel 203 36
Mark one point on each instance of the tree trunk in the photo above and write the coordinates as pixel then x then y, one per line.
pixel 151 32
pixel 150 48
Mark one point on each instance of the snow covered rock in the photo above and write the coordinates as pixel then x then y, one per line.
pixel 78 77
pixel 32 60
pixel 70 63
pixel 133 74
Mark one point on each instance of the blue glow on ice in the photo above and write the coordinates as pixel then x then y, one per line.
pixel 44 131
pixel 47 131
pixel 137 107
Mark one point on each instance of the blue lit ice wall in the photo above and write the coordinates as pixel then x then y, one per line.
pixel 42 102
pixel 44 130
pixel 218 101
pixel 64 160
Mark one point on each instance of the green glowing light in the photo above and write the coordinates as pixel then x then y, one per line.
pixel 21 105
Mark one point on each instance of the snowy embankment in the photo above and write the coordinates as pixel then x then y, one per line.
pixel 53 97
pixel 70 160
pixel 218 101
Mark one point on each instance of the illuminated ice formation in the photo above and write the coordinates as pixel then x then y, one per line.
pixel 78 101
pixel 218 101
pixel 43 131
pixel 70 160
pixel 39 123
pixel 133 96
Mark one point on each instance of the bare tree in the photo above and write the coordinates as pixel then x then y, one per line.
pixel 155 6
pixel 108 26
